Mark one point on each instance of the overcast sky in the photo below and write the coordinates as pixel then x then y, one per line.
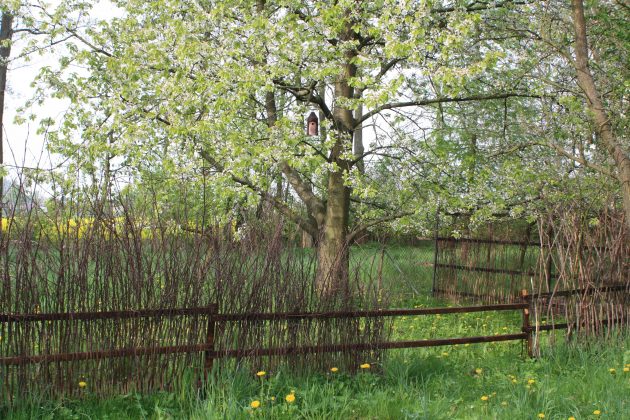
pixel 22 145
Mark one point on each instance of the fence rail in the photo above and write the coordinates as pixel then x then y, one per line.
pixel 104 354
pixel 582 291
pixel 486 269
pixel 487 241
pixel 386 345
pixel 367 313
pixel 128 314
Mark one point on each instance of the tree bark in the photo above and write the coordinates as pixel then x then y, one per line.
pixel 6 33
pixel 333 248
pixel 603 127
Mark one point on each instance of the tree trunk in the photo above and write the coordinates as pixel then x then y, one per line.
pixel 6 33
pixel 596 106
pixel 333 255
pixel 624 178
pixel 332 250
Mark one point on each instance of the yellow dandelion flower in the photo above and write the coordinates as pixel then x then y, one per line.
pixel 531 381
pixel 254 404
pixel 261 373
pixel 571 418
pixel 484 398
pixel 290 398
pixel 479 371
pixel 334 369
pixel 444 354
pixel 514 381
pixel 82 384
pixel 365 366
pixel 504 403
pixel 597 412
pixel 626 369
pixel 612 371
pixel 273 398
pixel 541 415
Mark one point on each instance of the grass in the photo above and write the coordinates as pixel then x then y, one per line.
pixel 477 381
pixel 433 383
pixel 407 271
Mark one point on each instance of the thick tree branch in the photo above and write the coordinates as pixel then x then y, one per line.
pixel 432 101
pixel 76 35
pixel 307 94
pixel 581 160
pixel 6 34
pixel 315 206
pixel 364 226
pixel 478 5
pixel 281 206
pixel 600 115
pixel 29 31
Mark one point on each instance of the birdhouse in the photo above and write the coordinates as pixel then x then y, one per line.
pixel 312 125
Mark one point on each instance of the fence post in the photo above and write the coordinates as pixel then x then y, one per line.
pixel 527 329
pixel 436 250
pixel 209 352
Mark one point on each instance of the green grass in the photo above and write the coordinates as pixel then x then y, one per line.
pixel 432 383
pixel 407 271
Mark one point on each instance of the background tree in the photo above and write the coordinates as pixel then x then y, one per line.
pixel 231 83
pixel 574 59
pixel 6 35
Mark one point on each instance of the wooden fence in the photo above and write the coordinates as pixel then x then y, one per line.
pixel 209 351
pixel 615 298
pixel 207 348
pixel 484 270
pixel 116 351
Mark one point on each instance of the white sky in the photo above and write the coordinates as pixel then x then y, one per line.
pixel 23 147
